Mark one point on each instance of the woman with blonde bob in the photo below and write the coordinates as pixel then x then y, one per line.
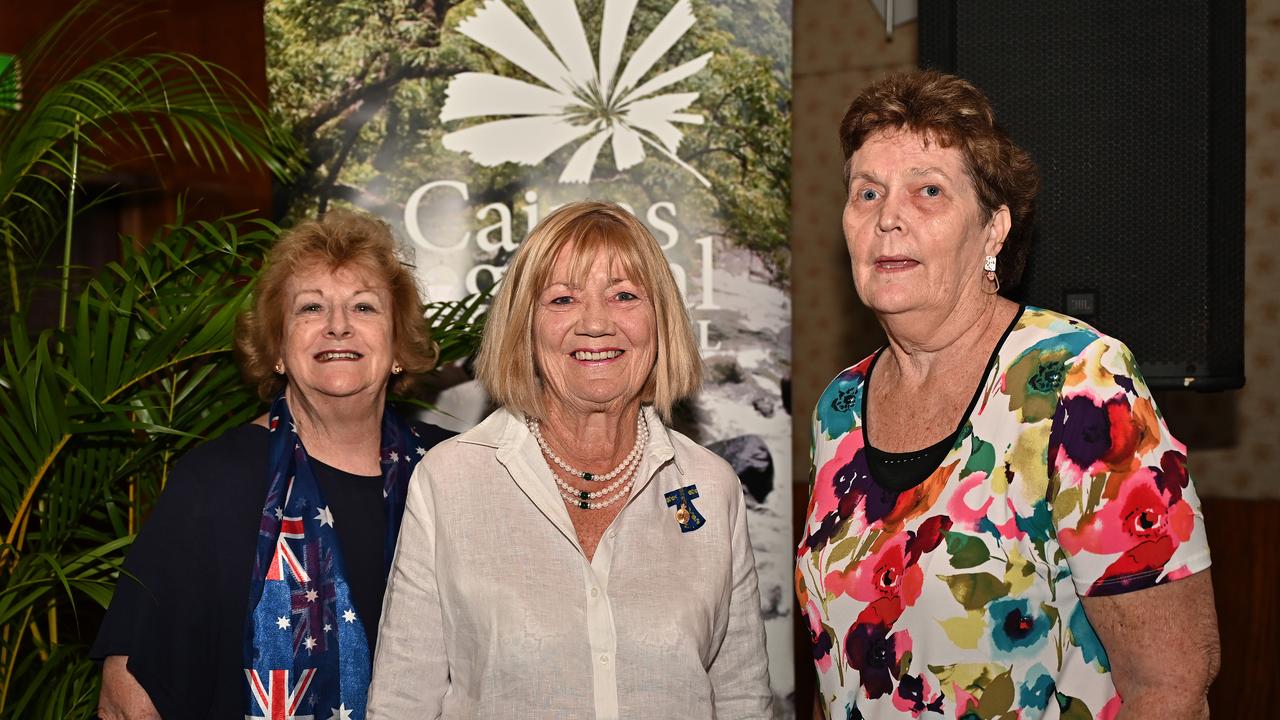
pixel 571 556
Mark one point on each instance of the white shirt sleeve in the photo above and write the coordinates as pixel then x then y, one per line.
pixel 411 666
pixel 740 671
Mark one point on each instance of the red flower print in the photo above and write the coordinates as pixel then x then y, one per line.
pixel 928 537
pixel 1143 523
pixel 1135 431
pixel 885 574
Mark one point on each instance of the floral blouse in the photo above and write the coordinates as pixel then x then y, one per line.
pixel 960 597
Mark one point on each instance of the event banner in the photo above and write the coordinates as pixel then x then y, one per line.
pixel 463 123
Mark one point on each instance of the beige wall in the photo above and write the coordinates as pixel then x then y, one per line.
pixel 840 46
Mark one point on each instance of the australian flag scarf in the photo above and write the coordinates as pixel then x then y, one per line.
pixel 305 649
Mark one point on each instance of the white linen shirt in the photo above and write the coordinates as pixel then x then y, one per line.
pixel 492 609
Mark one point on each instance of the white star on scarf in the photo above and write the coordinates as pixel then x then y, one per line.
pixel 349 615
pixel 395 456
pixel 420 451
pixel 310 642
pixel 312 595
pixel 340 713
pixel 325 516
pixel 282 622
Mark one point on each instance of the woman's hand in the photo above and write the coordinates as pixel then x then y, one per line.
pixel 122 698
pixel 1163 646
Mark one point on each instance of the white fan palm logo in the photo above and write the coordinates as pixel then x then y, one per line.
pixel 577 98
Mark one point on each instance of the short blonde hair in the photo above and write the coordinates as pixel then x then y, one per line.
pixel 340 239
pixel 506 365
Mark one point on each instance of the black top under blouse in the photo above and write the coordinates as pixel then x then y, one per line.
pixel 182 620
pixel 901 471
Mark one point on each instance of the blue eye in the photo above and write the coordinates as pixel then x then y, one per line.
pixel 624 295
pixel 868 194
pixel 562 300
pixel 932 191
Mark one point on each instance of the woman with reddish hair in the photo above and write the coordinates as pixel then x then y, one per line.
pixel 257 582
pixel 1000 523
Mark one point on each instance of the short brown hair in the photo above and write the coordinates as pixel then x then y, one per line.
pixel 506 364
pixel 340 239
pixel 953 113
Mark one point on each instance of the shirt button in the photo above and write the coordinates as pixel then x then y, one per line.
pixel 595 592
pixel 613 533
pixel 604 659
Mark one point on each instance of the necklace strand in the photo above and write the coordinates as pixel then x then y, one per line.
pixel 625 473
pixel 577 500
pixel 642 426
pixel 576 495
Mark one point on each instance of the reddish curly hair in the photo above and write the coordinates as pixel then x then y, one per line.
pixel 340 239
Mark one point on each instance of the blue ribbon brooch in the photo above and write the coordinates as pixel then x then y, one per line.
pixel 686 514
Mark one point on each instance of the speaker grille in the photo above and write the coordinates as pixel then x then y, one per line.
pixel 1141 163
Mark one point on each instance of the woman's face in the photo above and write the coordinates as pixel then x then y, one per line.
pixel 914 227
pixel 337 333
pixel 594 343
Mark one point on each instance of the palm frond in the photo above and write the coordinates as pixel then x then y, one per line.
pixel 456 326
pixel 159 105
pixel 142 371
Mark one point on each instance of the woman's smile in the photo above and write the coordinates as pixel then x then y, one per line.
pixel 597 357
pixel 338 356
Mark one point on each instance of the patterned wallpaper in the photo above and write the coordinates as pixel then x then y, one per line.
pixel 840 46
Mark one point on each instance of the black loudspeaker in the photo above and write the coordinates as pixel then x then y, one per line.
pixel 1134 113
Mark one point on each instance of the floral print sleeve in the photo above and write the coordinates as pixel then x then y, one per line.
pixel 1126 514
pixel 959 597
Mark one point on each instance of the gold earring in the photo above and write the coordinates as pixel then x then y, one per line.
pixel 396 369
pixel 279 368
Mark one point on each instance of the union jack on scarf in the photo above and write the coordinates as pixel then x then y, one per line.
pixel 306 652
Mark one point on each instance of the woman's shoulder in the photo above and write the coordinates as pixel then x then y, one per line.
pixel 429 435
pixel 1040 326
pixel 1047 332
pixel 232 465
pixel 1055 355
pixel 235 449
pixel 840 406
pixel 483 438
pixel 696 459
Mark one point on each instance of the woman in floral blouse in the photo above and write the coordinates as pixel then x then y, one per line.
pixel 1001 525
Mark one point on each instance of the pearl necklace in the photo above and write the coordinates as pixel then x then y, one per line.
pixel 642 427
pixel 618 489
pixel 580 497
